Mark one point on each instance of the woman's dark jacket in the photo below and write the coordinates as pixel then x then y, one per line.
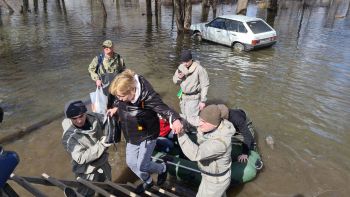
pixel 139 120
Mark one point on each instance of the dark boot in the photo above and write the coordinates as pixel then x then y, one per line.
pixel 142 187
pixel 162 177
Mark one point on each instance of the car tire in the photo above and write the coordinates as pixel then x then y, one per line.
pixel 197 36
pixel 238 46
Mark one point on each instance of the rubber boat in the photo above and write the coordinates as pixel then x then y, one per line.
pixel 185 170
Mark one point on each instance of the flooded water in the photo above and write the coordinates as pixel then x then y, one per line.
pixel 297 91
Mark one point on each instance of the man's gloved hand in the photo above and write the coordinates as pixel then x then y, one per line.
pixel 102 140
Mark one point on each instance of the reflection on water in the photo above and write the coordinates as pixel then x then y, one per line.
pixel 297 91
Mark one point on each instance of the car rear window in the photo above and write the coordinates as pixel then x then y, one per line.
pixel 258 27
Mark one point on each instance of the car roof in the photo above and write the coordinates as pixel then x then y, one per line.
pixel 239 18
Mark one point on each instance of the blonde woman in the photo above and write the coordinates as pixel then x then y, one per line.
pixel 137 105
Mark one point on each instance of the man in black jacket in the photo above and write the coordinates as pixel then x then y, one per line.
pixel 137 105
pixel 239 120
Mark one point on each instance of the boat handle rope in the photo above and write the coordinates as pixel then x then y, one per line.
pixel 179 165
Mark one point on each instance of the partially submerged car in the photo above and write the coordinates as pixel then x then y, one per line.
pixel 240 32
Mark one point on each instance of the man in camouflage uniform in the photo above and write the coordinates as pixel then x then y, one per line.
pixel 194 82
pixel 212 150
pixel 105 66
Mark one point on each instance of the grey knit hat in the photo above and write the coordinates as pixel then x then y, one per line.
pixel 213 114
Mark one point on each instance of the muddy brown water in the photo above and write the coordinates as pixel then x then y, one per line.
pixel 297 91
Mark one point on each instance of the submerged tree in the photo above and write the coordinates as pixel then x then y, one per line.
pixel 206 4
pixel 272 5
pixel 149 7
pixel 183 13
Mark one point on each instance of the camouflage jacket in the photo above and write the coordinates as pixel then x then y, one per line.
pixel 115 64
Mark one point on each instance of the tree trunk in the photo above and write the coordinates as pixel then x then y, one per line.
pixel 157 11
pixel 242 7
pixel 9 7
pixel 104 9
pixel 178 15
pixel 188 15
pixel 332 10
pixel 183 14
pixel 64 7
pixel 205 3
pixel 205 10
pixel 213 6
pixel 36 5
pixel 149 7
pixel 1 112
pixel 272 5
pixel 156 7
pixel 59 4
pixel 45 5
pixel 25 6
pixel 303 7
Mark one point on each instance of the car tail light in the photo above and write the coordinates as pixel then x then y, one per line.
pixel 273 38
pixel 255 42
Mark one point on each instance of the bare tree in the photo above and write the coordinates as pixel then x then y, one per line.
pixel 183 14
pixel 9 7
pixel 64 8
pixel 25 6
pixel 104 8
pixel 188 15
pixel 149 7
pixel 242 7
pixel 45 5
pixel 205 10
pixel 272 5
pixel 178 15
pixel 36 5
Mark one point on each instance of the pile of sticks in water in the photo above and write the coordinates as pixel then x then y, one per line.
pixel 68 187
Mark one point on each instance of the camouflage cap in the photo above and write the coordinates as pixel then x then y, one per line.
pixel 107 43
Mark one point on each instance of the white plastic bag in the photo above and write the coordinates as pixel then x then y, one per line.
pixel 98 101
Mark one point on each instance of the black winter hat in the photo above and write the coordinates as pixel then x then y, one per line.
pixel 186 56
pixel 74 108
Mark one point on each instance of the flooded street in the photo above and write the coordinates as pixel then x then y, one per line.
pixel 297 91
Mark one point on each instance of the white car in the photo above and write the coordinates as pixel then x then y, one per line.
pixel 243 33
